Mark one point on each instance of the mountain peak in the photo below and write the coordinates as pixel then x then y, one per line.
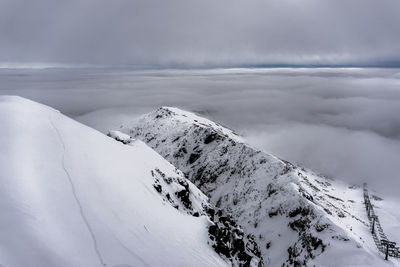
pixel 295 216
pixel 176 117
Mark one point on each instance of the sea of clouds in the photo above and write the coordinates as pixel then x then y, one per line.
pixel 343 123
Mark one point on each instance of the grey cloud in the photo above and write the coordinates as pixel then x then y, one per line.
pixel 354 156
pixel 199 33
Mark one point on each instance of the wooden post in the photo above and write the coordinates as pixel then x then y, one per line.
pixel 387 251
pixel 388 245
pixel 374 217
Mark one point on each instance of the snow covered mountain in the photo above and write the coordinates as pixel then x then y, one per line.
pixel 71 196
pixel 296 216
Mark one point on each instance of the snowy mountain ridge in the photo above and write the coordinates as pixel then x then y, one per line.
pixel 296 216
pixel 71 196
pixel 227 237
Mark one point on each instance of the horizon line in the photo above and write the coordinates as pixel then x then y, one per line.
pixel 182 66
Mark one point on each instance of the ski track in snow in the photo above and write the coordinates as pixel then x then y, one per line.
pixel 85 220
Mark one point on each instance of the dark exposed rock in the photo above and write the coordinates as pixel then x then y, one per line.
pixel 271 189
pixel 339 237
pixel 229 240
pixel 308 196
pixel 211 137
pixel 308 245
pixel 328 211
pixel 193 157
pixel 116 135
pixel 335 198
pixel 321 227
pixel 299 210
pixel 273 212
pixel 211 213
pixel 183 195
pixel 299 224
pixel 180 153
pixel 158 187
pixel 377 198
pixel 340 214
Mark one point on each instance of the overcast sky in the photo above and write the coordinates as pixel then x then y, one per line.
pixel 207 32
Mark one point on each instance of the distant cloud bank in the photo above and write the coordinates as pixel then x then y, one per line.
pixel 341 122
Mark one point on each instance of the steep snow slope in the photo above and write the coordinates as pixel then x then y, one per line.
pixel 71 196
pixel 296 216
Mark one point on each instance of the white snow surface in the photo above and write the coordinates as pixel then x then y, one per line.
pixel 281 204
pixel 71 196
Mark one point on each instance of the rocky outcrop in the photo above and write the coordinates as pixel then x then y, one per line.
pixel 229 240
pixel 226 236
